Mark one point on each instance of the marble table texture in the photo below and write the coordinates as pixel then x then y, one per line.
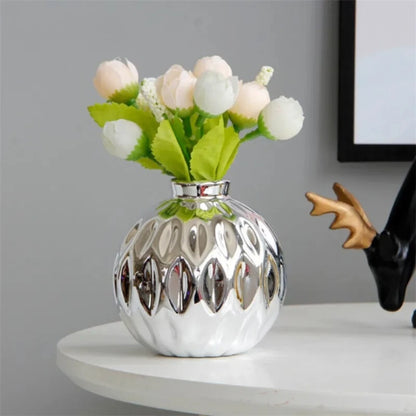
pixel 328 359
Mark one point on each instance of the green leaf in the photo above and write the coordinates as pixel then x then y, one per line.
pixel 172 207
pixel 242 122
pixel 213 155
pixel 126 94
pixel 207 214
pixel 179 131
pixel 213 122
pixel 147 122
pixel 206 155
pixel 228 152
pixel 149 163
pixel 168 153
pixel 263 128
pixel 185 214
pixel 102 113
pixel 228 212
pixel 176 207
pixel 142 149
pixel 177 127
pixel 169 209
pixel 165 203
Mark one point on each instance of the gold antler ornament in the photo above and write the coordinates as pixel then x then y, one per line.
pixel 348 214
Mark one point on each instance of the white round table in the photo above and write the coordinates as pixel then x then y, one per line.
pixel 317 360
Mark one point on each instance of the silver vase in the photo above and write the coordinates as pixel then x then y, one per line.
pixel 204 277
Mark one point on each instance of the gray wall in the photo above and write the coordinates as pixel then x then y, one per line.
pixel 66 204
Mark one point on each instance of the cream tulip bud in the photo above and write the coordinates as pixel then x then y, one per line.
pixel 113 76
pixel 120 137
pixel 252 98
pixel 212 63
pixel 214 94
pixel 281 119
pixel 176 89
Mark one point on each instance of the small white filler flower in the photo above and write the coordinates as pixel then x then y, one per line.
pixel 149 92
pixel 141 102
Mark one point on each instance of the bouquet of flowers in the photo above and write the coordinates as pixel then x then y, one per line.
pixel 205 276
pixel 188 124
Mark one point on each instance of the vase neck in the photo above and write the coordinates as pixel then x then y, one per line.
pixel 200 189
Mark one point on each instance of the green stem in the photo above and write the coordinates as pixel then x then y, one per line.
pixel 200 120
pixel 187 126
pixel 197 134
pixel 235 127
pixel 132 102
pixel 185 152
pixel 225 118
pixel 250 136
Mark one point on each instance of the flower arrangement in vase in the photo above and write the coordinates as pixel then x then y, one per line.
pixel 205 276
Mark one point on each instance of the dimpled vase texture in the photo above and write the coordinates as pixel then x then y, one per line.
pixel 205 277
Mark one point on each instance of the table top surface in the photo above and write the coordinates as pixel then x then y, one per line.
pixel 317 359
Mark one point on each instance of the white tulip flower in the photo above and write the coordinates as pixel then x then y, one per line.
pixel 281 119
pixel 120 137
pixel 115 75
pixel 214 94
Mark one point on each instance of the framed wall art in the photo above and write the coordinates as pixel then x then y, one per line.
pixel 377 81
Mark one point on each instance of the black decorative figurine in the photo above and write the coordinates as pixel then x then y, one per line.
pixel 390 254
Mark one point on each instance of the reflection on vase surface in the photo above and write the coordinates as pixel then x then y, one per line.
pixel 204 277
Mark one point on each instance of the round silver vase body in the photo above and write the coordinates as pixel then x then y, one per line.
pixel 205 277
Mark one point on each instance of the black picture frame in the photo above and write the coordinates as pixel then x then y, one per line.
pixel 348 151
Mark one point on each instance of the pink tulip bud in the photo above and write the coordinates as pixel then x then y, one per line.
pixel 212 63
pixel 252 98
pixel 176 88
pixel 112 76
